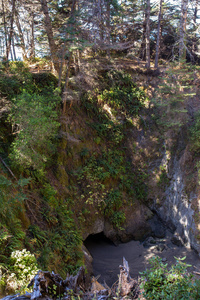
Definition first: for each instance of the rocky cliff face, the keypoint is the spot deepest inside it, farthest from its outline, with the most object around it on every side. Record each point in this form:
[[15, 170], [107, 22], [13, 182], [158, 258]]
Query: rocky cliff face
[[164, 158], [179, 200], [124, 165]]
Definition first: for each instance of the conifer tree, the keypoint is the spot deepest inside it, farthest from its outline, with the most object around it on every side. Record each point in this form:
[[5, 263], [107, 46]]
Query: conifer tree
[[148, 34], [158, 34], [183, 22]]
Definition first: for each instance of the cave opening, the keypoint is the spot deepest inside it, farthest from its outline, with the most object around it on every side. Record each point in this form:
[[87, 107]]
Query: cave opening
[[97, 240]]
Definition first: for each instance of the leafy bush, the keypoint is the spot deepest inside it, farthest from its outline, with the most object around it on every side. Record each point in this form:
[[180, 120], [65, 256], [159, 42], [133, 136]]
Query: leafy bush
[[9, 86], [97, 173], [123, 100], [159, 282], [36, 122], [22, 268], [11, 206], [127, 101], [17, 67], [195, 133], [172, 94]]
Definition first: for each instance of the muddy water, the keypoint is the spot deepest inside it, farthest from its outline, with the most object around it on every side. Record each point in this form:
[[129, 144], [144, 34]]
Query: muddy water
[[107, 257]]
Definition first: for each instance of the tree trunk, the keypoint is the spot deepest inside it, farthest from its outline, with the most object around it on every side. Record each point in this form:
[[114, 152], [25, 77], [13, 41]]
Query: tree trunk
[[13, 49], [32, 44], [108, 26], [65, 43], [183, 21], [148, 35], [71, 21], [100, 21], [64, 96], [4, 24], [8, 48], [143, 43], [49, 31], [195, 41], [195, 11], [21, 36], [158, 34]]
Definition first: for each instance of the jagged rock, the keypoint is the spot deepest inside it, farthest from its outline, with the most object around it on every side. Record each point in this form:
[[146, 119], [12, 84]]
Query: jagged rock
[[176, 241], [149, 242], [158, 229], [161, 247], [136, 225], [88, 264]]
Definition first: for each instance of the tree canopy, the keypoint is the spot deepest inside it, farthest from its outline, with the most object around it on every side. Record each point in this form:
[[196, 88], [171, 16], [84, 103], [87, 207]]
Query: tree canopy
[[148, 29]]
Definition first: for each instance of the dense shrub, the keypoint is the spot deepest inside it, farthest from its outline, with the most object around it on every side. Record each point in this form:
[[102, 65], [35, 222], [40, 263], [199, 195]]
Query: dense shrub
[[36, 124], [161, 282]]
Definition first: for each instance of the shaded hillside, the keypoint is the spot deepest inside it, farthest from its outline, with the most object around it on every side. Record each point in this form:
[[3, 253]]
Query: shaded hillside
[[106, 165]]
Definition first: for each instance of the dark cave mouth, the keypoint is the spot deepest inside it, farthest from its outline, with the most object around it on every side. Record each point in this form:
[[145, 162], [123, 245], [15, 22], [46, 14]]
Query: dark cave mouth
[[94, 240]]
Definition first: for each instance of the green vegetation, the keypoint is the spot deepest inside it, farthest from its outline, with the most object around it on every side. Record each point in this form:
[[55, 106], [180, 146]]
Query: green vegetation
[[12, 212], [110, 165], [86, 142], [34, 143], [195, 133], [22, 268], [171, 95], [122, 94], [16, 266], [68, 169], [161, 282], [33, 214], [195, 140]]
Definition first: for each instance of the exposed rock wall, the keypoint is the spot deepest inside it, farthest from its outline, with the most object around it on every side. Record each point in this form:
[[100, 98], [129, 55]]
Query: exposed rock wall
[[176, 207]]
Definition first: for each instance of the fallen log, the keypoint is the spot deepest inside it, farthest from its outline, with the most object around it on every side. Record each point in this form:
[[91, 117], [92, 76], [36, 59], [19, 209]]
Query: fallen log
[[51, 285], [48, 285]]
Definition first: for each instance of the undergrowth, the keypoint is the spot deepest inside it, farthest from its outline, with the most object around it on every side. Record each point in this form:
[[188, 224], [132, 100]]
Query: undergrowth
[[162, 282], [33, 216], [42, 217], [111, 111]]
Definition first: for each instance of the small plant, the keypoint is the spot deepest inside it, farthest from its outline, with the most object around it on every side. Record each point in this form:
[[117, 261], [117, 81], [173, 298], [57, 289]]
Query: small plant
[[159, 282], [171, 95], [163, 178], [114, 106], [36, 123], [22, 268], [195, 133]]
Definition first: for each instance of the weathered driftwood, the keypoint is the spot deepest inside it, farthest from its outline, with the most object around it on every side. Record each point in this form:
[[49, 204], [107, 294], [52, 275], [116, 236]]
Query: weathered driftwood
[[14, 297], [196, 273], [126, 283], [48, 285]]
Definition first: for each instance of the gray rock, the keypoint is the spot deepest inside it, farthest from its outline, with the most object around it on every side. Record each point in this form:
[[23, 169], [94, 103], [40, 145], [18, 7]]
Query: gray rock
[[149, 242], [164, 259], [161, 247], [176, 241]]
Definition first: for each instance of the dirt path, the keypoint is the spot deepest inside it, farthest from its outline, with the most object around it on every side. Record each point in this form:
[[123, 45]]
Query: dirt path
[[107, 257]]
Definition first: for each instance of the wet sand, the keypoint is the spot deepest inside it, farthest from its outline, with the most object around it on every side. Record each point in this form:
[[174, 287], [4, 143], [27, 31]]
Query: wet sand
[[107, 257]]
